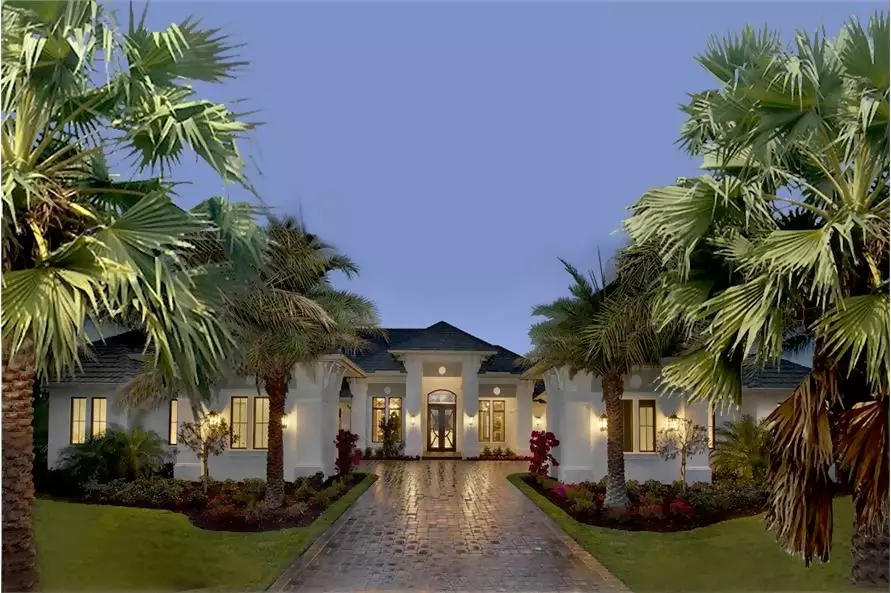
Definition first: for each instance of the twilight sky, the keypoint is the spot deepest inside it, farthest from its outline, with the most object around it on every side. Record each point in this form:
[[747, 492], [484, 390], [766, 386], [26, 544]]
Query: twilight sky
[[455, 150]]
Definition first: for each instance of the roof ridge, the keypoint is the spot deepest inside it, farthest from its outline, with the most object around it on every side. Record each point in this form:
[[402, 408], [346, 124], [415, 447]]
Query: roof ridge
[[466, 333]]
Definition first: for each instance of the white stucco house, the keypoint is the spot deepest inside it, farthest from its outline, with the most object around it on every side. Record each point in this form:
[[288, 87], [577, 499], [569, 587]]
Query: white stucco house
[[453, 392]]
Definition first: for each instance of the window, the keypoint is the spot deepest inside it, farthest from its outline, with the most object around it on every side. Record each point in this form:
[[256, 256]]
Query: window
[[392, 407], [238, 423], [261, 422], [98, 416], [174, 418], [78, 420], [378, 407], [491, 421], [485, 427], [711, 427], [394, 404], [647, 425], [498, 421], [628, 425]]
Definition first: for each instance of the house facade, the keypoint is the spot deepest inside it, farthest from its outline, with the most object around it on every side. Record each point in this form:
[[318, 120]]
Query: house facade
[[452, 393]]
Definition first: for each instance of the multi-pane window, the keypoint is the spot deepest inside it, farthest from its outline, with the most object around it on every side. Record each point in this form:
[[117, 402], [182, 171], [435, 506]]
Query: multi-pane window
[[173, 420], [647, 425], [711, 427], [261, 422], [378, 409], [99, 420], [381, 408], [78, 420], [491, 421], [238, 423], [485, 418]]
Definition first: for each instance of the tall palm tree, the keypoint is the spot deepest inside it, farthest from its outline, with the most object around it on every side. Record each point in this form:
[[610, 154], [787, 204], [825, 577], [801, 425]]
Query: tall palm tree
[[604, 329], [79, 246], [292, 314], [795, 200]]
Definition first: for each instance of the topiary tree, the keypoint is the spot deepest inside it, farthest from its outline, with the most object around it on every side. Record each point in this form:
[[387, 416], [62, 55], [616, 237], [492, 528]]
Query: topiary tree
[[348, 456], [682, 441], [391, 438], [209, 436]]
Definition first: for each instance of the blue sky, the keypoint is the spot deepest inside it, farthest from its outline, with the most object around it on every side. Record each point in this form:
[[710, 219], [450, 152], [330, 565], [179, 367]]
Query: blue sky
[[455, 150]]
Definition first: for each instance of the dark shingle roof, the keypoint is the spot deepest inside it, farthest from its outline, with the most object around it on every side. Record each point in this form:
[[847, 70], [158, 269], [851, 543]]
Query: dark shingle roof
[[113, 361], [785, 375], [439, 336]]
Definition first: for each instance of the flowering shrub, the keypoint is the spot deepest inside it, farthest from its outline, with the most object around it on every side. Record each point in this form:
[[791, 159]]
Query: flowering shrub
[[654, 506], [348, 456], [540, 445]]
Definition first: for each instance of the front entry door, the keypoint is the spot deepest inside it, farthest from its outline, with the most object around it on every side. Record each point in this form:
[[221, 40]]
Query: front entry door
[[441, 427]]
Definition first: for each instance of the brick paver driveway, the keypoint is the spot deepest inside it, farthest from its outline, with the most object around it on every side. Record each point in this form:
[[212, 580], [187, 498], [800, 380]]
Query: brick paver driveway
[[445, 526]]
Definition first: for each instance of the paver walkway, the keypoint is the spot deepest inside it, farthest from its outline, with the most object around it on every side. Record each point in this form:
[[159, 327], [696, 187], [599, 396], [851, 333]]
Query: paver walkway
[[445, 525]]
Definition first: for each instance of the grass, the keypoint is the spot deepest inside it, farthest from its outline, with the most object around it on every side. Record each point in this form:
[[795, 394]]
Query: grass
[[83, 547], [736, 555]]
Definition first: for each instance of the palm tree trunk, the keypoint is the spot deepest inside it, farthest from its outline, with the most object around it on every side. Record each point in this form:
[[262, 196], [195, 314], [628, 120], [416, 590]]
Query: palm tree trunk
[[276, 389], [870, 552], [19, 552], [616, 494]]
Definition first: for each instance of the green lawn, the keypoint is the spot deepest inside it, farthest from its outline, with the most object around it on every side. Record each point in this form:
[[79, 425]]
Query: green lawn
[[103, 548], [737, 555]]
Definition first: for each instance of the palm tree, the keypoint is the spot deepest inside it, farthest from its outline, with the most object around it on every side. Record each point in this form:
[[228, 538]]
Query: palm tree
[[741, 449], [796, 201], [79, 246], [291, 314], [604, 329]]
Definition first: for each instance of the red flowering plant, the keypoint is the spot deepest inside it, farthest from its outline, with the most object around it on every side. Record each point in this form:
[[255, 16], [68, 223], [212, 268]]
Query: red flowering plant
[[540, 446], [348, 456]]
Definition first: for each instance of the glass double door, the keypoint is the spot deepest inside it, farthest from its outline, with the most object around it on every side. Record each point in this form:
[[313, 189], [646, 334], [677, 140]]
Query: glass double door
[[441, 427]]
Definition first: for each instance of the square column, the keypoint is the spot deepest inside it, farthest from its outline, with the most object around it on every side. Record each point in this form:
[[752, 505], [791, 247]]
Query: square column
[[524, 416], [359, 411], [412, 419], [470, 389], [554, 384], [315, 409]]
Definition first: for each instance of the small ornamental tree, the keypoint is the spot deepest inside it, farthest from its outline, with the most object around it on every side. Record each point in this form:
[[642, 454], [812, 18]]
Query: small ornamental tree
[[207, 437], [348, 456], [685, 440], [540, 445], [391, 437]]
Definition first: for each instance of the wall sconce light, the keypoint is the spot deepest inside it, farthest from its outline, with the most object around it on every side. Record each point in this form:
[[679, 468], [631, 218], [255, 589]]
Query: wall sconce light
[[537, 422], [442, 370], [604, 422], [470, 420], [412, 420], [387, 390], [673, 422], [284, 422]]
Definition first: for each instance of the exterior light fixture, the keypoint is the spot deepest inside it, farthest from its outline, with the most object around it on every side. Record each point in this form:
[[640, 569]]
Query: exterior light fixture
[[442, 370], [412, 420], [604, 422], [497, 390], [673, 422], [536, 421], [284, 422], [470, 421]]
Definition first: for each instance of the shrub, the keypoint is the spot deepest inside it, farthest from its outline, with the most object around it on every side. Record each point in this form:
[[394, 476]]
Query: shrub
[[541, 444], [650, 511], [154, 493], [510, 452], [487, 452], [305, 492], [368, 452], [347, 455], [498, 452], [582, 506], [725, 501], [296, 510], [680, 509], [391, 429], [118, 454], [741, 449], [545, 482]]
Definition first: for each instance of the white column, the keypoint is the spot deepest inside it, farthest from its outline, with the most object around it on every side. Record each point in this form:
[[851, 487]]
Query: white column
[[470, 391], [414, 374], [524, 416], [316, 397], [576, 426], [188, 466], [359, 411], [554, 385]]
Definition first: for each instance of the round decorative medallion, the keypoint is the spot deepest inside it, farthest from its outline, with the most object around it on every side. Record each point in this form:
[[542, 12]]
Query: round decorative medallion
[[497, 390], [387, 390]]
